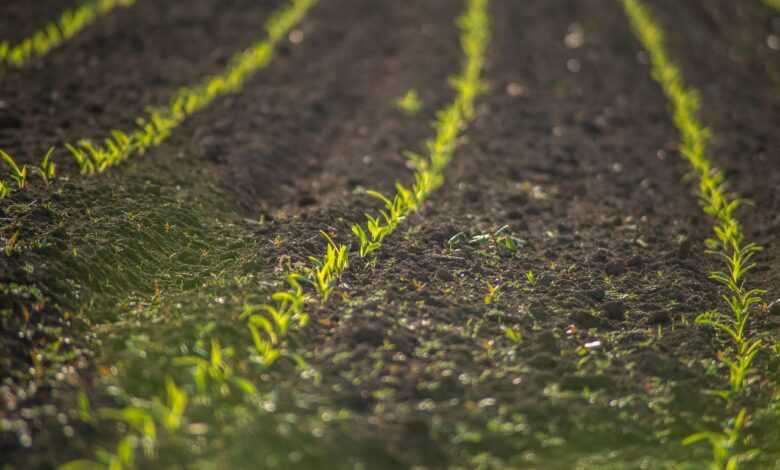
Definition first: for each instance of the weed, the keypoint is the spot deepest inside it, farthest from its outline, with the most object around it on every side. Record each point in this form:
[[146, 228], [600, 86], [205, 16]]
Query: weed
[[70, 23], [410, 103]]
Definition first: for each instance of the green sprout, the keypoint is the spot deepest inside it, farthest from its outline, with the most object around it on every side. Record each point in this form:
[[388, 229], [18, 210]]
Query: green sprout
[[47, 170], [410, 103], [493, 292], [530, 277], [18, 174]]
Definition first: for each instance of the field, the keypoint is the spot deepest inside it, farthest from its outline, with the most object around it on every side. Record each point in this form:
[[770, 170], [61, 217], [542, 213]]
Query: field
[[365, 234]]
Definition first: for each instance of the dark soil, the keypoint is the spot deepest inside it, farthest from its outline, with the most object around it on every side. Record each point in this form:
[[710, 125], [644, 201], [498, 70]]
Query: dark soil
[[572, 149]]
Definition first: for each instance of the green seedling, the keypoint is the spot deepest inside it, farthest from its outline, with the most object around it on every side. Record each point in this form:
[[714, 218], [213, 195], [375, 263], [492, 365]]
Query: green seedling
[[530, 277], [410, 103], [18, 173], [47, 170], [492, 294], [5, 190], [513, 335], [724, 445], [325, 272]]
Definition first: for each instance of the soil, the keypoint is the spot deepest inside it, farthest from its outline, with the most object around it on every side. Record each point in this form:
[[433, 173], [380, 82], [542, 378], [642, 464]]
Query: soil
[[572, 152]]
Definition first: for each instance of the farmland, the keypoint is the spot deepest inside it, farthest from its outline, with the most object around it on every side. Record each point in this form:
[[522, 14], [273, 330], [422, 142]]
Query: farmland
[[305, 234]]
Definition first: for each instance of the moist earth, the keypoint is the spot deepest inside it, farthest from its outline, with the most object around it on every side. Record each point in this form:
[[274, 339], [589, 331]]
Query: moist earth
[[572, 156]]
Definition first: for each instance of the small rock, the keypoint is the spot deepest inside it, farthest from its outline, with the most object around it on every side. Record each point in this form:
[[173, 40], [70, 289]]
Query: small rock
[[543, 361], [774, 307], [369, 334], [596, 294], [615, 268], [660, 317], [636, 261], [585, 320], [615, 310], [444, 275]]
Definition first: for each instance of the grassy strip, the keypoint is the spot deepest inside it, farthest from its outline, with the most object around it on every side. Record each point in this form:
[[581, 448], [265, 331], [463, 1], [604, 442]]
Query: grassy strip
[[214, 374], [728, 242], [158, 123], [70, 23]]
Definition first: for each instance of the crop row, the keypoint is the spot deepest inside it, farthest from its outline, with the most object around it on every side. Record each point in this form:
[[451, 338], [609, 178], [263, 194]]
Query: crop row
[[214, 377], [728, 241], [159, 122], [70, 23]]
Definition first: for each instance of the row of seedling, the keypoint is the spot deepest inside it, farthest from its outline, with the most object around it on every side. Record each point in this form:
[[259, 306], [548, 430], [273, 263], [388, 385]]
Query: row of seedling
[[728, 241], [429, 170], [16, 175], [159, 122], [269, 324], [70, 23]]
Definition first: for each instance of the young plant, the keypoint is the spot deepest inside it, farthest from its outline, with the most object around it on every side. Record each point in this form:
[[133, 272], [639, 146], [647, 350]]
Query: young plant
[[530, 277], [18, 174], [47, 170], [492, 294], [410, 103], [724, 445]]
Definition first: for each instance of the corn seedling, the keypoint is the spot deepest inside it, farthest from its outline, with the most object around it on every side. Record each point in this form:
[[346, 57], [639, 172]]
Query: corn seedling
[[492, 294], [530, 277], [723, 445], [513, 335], [158, 123], [70, 23], [47, 170], [325, 272], [18, 173], [728, 241], [410, 103]]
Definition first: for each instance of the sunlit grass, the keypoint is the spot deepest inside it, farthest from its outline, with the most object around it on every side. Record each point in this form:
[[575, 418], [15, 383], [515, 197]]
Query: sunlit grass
[[70, 23], [728, 241]]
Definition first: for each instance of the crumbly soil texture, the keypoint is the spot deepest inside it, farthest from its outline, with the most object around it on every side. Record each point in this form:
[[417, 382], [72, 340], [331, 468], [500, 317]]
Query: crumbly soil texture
[[586, 355]]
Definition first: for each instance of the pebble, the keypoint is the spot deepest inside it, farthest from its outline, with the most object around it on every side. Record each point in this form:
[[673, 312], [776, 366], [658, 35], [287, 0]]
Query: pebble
[[615, 310]]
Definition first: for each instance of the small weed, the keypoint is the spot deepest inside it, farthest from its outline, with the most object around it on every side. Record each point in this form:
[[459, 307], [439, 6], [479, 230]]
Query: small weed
[[410, 103]]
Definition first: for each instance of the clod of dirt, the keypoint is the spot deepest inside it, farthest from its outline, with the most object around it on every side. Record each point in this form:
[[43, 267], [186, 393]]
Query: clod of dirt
[[636, 262], [615, 310], [774, 307], [585, 320], [444, 275], [369, 334], [615, 268], [595, 294], [543, 361], [660, 317]]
